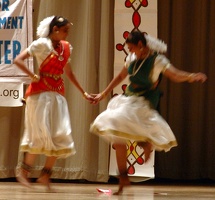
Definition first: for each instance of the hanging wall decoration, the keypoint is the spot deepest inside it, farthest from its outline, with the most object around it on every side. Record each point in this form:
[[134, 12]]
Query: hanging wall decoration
[[130, 15]]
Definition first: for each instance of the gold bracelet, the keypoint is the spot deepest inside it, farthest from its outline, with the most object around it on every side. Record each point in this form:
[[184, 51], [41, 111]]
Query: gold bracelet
[[103, 94], [35, 77], [85, 94]]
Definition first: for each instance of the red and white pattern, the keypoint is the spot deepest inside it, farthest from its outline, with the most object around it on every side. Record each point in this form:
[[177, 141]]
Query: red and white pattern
[[130, 15]]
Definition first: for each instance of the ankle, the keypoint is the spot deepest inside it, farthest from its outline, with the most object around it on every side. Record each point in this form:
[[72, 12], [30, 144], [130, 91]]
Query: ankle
[[46, 172], [26, 168], [22, 175]]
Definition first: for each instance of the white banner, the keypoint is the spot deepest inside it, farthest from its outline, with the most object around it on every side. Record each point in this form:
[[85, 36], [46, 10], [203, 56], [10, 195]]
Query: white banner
[[129, 15], [16, 35], [11, 93]]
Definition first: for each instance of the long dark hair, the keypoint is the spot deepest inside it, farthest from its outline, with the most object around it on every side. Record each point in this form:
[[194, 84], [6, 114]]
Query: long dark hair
[[58, 21], [135, 36]]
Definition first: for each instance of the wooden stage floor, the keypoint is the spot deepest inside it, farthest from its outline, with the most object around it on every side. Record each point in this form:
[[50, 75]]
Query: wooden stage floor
[[87, 191]]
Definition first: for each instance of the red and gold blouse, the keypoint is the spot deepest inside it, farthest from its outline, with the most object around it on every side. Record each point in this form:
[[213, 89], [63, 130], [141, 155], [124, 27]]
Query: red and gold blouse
[[50, 71]]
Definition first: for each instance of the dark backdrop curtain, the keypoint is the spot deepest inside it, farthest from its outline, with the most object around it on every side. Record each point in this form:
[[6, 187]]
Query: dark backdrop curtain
[[188, 27]]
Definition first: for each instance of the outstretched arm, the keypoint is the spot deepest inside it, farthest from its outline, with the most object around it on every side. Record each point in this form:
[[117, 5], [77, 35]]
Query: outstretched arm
[[73, 79], [115, 81], [179, 76]]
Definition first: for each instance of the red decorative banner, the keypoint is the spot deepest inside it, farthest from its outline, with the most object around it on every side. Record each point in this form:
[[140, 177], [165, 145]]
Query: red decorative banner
[[130, 15]]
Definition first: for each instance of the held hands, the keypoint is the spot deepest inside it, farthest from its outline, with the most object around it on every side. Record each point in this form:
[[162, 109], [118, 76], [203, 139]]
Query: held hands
[[94, 98], [88, 97], [97, 97]]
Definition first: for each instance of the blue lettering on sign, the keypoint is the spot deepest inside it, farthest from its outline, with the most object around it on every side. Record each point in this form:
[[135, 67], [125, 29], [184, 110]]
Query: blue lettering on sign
[[11, 22], [16, 48], [4, 5], [10, 50], [7, 52]]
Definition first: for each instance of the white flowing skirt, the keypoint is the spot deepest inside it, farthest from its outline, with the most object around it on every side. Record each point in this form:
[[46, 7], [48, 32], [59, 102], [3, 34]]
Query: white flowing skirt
[[47, 126], [131, 118]]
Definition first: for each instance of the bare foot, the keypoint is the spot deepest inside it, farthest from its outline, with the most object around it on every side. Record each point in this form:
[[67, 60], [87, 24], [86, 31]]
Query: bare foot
[[45, 181], [123, 182], [22, 177]]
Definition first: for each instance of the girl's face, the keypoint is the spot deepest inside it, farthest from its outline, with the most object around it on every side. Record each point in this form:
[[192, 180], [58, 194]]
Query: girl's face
[[138, 49], [132, 48], [62, 32]]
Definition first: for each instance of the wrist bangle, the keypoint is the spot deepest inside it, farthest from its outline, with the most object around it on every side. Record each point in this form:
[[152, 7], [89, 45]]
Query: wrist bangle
[[85, 94], [35, 77], [103, 94]]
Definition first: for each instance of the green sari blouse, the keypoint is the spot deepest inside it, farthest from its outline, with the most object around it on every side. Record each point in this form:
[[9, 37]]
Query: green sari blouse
[[141, 84]]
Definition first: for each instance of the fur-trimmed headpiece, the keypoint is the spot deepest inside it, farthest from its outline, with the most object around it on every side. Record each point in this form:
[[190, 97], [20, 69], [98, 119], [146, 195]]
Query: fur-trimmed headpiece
[[44, 27], [155, 44]]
